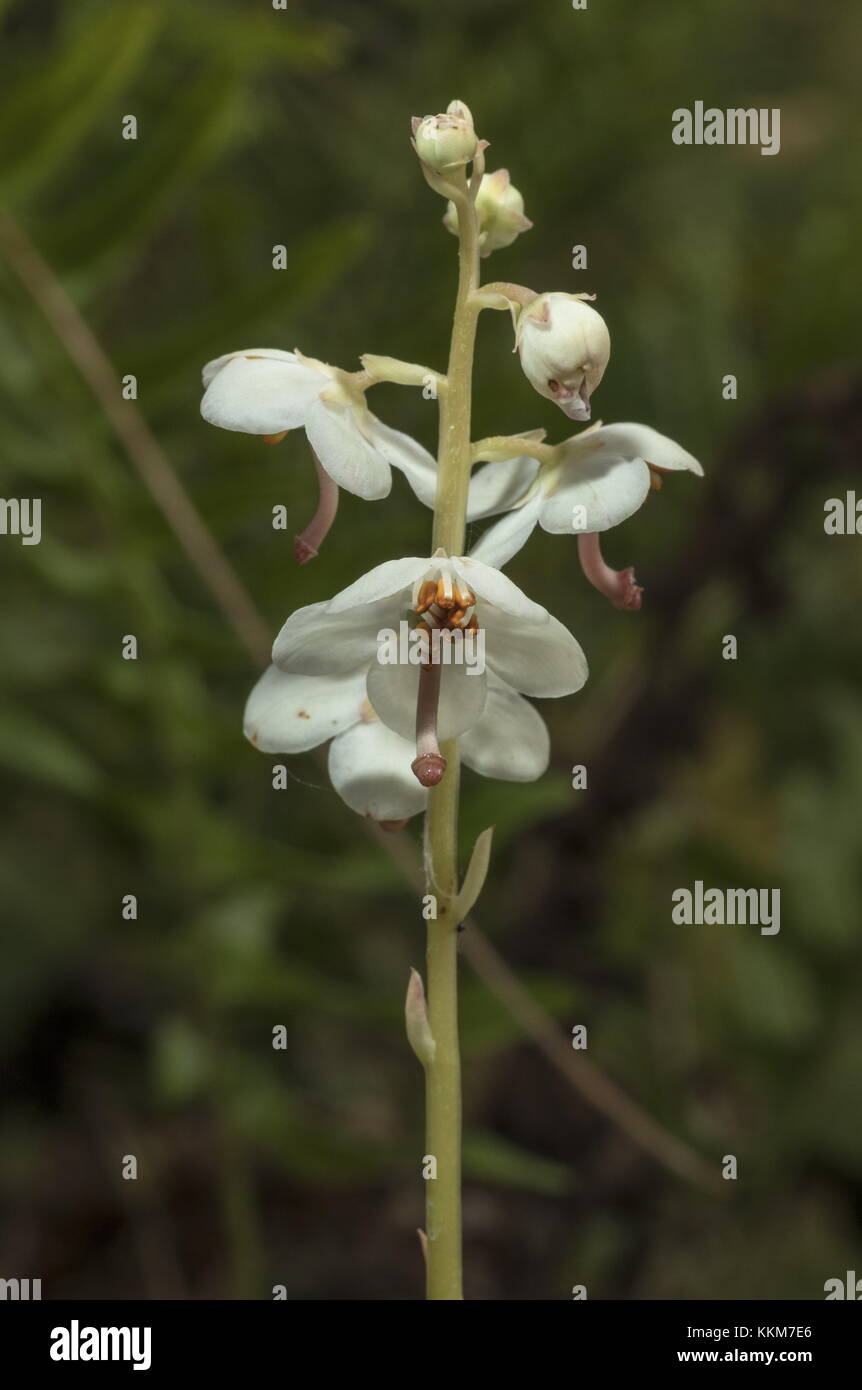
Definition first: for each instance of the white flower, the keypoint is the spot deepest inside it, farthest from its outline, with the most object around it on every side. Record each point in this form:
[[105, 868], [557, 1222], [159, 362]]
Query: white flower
[[370, 766], [266, 391], [500, 209], [595, 481], [564, 347], [526, 652], [447, 141]]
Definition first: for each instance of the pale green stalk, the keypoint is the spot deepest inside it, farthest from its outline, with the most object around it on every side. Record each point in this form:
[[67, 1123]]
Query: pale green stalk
[[443, 1071]]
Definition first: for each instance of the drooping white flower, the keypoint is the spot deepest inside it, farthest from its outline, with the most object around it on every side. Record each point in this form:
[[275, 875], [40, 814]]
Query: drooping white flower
[[526, 652], [500, 210], [564, 347], [594, 481], [370, 765], [267, 392]]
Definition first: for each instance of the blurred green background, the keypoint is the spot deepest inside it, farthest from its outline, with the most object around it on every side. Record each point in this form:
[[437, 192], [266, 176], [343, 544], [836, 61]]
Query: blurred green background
[[260, 907]]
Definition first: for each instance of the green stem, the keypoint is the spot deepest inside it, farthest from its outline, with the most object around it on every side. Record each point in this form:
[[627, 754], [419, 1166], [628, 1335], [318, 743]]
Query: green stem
[[454, 456], [443, 1072]]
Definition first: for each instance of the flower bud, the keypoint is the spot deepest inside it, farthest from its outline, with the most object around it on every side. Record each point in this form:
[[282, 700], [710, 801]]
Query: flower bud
[[564, 347], [416, 1018], [446, 141], [500, 209]]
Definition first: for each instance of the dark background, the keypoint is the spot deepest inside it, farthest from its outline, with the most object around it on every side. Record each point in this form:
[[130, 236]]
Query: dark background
[[259, 907]]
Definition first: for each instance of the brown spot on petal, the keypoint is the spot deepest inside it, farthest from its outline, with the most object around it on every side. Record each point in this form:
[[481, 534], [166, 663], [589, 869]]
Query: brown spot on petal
[[275, 438], [302, 714]]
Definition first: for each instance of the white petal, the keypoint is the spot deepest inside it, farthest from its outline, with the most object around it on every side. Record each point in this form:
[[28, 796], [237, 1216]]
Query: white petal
[[575, 407], [349, 459], [543, 661], [498, 486], [604, 488], [418, 466], [492, 586], [289, 714], [316, 642], [370, 769], [389, 580], [261, 395], [642, 441], [393, 691], [506, 537], [276, 354], [510, 741]]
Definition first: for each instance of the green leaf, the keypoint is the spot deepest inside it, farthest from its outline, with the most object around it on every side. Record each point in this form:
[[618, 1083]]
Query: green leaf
[[474, 879], [488, 1158], [57, 102], [317, 262], [73, 570], [487, 1025], [261, 40], [31, 746], [181, 1061], [773, 997], [190, 135], [523, 805]]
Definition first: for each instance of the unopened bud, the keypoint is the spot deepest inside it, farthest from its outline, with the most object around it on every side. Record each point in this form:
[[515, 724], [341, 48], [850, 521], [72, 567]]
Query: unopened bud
[[447, 141], [564, 347], [500, 210], [416, 1018]]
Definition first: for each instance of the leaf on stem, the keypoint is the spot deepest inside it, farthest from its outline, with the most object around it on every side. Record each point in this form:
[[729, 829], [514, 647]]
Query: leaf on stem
[[474, 879]]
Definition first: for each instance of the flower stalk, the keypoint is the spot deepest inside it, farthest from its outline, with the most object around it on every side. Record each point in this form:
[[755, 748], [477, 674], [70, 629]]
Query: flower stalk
[[497, 448], [443, 1071]]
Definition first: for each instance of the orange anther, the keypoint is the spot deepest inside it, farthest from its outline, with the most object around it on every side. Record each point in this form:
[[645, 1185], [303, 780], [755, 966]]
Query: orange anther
[[444, 591], [427, 595], [464, 599]]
